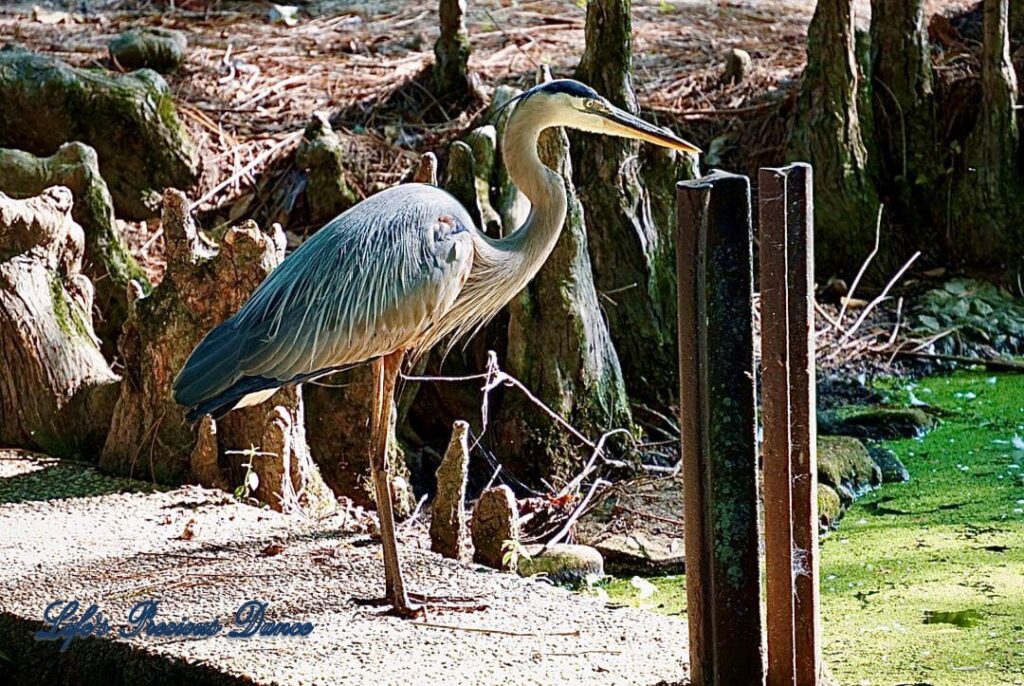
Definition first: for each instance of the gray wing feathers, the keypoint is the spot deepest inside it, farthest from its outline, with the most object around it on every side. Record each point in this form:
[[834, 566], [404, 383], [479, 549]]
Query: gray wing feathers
[[374, 280]]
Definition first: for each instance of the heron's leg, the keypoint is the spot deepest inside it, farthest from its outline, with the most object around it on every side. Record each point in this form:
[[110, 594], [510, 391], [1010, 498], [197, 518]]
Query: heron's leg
[[386, 370]]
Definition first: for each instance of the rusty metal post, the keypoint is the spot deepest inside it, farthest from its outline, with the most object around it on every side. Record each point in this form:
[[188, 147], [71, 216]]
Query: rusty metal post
[[717, 418], [790, 464], [775, 420], [803, 423]]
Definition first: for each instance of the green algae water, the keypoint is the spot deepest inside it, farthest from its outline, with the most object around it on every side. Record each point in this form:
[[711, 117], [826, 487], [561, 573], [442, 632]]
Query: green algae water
[[923, 583]]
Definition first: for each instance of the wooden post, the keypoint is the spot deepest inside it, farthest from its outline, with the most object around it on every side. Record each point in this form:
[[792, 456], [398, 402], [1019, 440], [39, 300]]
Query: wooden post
[[717, 419], [790, 464]]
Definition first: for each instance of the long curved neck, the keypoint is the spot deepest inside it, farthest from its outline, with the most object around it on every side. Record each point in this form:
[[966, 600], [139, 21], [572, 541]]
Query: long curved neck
[[503, 266], [522, 253]]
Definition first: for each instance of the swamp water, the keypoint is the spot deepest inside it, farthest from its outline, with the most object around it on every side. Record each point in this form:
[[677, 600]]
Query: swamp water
[[923, 582]]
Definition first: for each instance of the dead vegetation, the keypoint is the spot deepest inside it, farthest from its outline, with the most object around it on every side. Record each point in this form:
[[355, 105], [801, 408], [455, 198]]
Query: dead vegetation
[[249, 86]]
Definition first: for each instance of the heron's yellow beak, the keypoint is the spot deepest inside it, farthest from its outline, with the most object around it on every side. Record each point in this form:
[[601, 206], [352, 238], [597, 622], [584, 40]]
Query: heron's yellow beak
[[621, 123]]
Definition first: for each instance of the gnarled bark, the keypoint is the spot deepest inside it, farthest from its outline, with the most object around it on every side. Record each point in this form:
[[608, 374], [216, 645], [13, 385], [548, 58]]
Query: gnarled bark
[[322, 158], [56, 390], [827, 130], [107, 261], [149, 436], [629, 251], [986, 202], [452, 77], [448, 532], [905, 127], [129, 119]]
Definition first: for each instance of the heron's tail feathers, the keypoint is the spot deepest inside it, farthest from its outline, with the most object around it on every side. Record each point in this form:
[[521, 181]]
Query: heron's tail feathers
[[207, 383], [212, 381]]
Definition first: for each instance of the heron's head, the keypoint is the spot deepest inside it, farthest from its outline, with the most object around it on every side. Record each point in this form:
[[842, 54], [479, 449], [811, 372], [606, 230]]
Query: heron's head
[[577, 106]]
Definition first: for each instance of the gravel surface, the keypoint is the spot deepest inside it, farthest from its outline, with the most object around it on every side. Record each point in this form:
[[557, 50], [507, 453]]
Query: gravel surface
[[201, 555]]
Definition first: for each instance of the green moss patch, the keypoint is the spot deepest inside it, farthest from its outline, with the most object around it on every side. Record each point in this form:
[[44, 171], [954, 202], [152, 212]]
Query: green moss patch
[[923, 583]]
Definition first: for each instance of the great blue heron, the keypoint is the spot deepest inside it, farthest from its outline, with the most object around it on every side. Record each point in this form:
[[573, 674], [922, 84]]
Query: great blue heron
[[396, 274]]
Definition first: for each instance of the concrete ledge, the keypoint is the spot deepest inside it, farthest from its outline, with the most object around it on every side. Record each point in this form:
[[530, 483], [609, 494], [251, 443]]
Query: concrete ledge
[[120, 548]]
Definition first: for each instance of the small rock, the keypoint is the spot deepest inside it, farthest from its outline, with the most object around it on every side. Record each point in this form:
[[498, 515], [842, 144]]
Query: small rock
[[877, 424], [846, 496], [737, 66], [892, 468], [844, 462], [155, 48], [638, 527], [495, 520], [638, 553], [448, 521], [288, 15], [562, 563], [830, 507]]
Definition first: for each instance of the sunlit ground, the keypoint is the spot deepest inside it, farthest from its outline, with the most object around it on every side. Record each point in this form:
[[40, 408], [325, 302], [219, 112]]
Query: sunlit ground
[[923, 583]]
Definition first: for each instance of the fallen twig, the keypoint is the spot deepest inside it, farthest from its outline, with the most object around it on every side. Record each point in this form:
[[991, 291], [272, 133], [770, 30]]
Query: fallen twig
[[863, 268], [994, 364], [502, 632], [880, 298]]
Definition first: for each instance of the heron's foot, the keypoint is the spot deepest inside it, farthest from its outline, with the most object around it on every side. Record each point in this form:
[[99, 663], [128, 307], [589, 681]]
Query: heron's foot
[[407, 610], [447, 602], [417, 604]]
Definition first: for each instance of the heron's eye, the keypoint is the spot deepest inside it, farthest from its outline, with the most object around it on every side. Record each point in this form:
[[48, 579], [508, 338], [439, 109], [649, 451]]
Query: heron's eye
[[593, 105]]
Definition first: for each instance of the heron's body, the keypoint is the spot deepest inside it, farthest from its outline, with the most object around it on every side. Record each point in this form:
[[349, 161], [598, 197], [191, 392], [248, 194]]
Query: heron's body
[[398, 272], [402, 256], [401, 270]]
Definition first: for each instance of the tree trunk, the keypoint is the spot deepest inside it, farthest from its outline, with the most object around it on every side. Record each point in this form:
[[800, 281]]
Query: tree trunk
[[560, 348], [1016, 19], [149, 436], [630, 253], [452, 77], [56, 391], [986, 203], [905, 126], [827, 131], [107, 262]]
